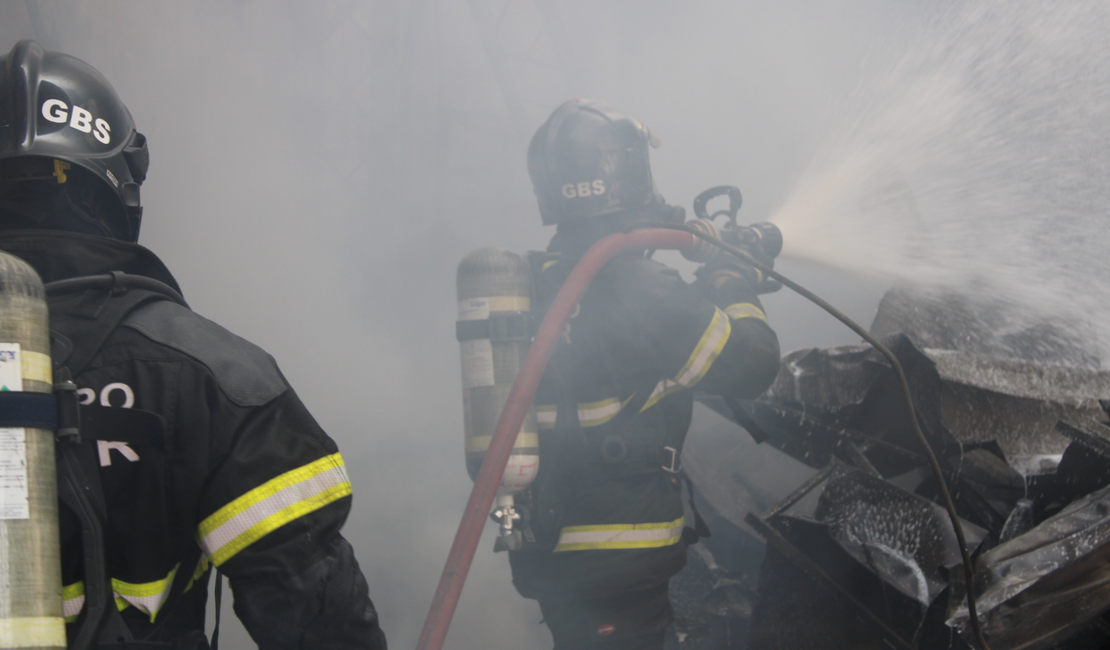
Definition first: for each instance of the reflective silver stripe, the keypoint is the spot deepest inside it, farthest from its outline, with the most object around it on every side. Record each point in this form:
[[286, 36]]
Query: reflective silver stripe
[[706, 351], [272, 505], [73, 599], [620, 536], [590, 414], [745, 310], [147, 597], [545, 416], [524, 440]]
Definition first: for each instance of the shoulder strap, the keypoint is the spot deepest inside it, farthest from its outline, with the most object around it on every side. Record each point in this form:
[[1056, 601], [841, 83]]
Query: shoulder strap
[[92, 319], [215, 642], [79, 488], [94, 316], [700, 529]]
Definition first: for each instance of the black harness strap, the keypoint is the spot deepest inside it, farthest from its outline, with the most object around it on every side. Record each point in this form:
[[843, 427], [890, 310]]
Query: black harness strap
[[700, 529], [79, 489], [24, 409], [668, 455], [106, 301], [616, 448], [215, 643]]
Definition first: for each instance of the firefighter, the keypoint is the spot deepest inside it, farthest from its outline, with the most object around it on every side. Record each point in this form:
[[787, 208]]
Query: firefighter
[[208, 459], [614, 406]]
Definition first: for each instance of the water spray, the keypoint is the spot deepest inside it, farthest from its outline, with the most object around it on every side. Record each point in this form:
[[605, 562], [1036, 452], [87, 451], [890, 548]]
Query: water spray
[[698, 241], [934, 464]]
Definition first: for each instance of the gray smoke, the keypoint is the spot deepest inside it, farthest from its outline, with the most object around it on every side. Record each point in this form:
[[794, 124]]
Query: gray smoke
[[318, 169]]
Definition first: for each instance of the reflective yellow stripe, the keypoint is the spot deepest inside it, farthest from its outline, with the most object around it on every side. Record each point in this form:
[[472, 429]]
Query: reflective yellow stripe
[[706, 351], [548, 264], [545, 416], [74, 590], [73, 599], [202, 566], [745, 310], [33, 632], [510, 303], [36, 366], [272, 505], [620, 536], [662, 389], [590, 414], [147, 597], [524, 440]]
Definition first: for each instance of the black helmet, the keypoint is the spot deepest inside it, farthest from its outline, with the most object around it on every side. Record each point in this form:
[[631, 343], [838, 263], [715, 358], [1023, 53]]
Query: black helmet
[[589, 160], [57, 113]]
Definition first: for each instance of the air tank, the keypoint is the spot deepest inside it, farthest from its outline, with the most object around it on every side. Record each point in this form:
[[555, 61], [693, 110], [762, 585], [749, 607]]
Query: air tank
[[30, 559], [494, 331]]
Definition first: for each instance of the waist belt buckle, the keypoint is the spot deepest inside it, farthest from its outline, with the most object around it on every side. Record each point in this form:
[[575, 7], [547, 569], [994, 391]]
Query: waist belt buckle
[[673, 466]]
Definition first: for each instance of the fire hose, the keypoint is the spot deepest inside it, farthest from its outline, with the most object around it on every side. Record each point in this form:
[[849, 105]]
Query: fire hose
[[647, 236]]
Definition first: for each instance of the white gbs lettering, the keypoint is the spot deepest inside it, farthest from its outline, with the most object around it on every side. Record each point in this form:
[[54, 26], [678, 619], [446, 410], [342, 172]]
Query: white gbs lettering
[[584, 189], [58, 112]]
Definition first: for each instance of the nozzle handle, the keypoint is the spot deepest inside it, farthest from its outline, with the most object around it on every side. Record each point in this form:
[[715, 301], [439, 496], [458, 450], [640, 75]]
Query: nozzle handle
[[734, 201]]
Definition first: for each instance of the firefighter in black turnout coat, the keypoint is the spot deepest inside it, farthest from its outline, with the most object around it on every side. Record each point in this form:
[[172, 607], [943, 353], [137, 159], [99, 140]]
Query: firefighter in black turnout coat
[[203, 454], [615, 403]]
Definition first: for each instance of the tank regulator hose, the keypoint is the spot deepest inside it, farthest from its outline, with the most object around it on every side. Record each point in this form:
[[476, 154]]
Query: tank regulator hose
[[645, 236]]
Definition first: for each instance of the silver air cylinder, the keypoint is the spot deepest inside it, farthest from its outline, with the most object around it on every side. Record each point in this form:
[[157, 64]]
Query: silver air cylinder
[[494, 333], [30, 559]]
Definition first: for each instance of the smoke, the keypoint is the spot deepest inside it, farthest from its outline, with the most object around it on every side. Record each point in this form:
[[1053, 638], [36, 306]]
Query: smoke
[[318, 169], [977, 159]]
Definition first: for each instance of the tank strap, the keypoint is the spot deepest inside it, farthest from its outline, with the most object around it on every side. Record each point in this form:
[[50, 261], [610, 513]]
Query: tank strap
[[106, 300], [97, 313], [79, 489], [25, 409], [215, 642], [700, 529], [496, 328]]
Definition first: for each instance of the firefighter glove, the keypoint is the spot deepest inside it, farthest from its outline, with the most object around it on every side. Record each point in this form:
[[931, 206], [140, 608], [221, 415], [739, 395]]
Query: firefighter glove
[[723, 268]]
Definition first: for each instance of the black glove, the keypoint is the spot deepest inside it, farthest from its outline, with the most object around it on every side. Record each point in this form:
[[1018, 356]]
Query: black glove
[[325, 606], [724, 267]]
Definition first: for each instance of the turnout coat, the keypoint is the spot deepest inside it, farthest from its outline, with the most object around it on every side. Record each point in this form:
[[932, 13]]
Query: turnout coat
[[613, 409], [236, 474]]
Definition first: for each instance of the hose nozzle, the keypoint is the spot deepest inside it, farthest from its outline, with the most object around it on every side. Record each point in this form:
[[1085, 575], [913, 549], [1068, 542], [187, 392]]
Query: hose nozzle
[[761, 240]]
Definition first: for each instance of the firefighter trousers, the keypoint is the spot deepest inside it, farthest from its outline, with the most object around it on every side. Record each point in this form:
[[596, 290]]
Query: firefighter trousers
[[629, 621]]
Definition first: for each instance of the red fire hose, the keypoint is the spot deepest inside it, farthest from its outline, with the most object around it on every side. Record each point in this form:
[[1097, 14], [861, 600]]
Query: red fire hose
[[512, 416]]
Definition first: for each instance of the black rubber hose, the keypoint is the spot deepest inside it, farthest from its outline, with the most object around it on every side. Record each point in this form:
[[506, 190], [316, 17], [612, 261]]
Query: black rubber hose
[[906, 395]]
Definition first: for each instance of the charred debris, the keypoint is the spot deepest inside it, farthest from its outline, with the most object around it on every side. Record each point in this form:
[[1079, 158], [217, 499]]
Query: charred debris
[[860, 555]]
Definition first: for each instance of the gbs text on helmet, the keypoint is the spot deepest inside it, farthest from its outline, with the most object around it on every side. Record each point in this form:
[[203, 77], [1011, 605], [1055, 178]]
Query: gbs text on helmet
[[584, 189], [57, 111]]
